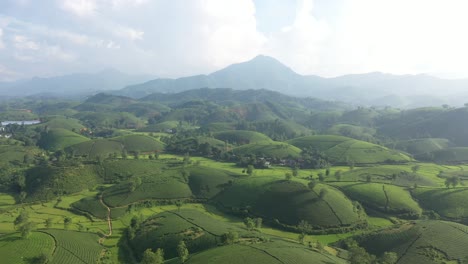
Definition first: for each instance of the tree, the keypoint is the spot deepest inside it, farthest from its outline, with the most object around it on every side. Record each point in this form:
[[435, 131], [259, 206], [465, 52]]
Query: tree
[[178, 203], [22, 218], [43, 258], [67, 222], [288, 176], [338, 175], [250, 169], [124, 154], [48, 222], [295, 171], [321, 177], [182, 251], [368, 178], [230, 237], [249, 223], [26, 229], [136, 154], [323, 193], [327, 172], [301, 238], [150, 257], [415, 168], [389, 258], [258, 222], [312, 184]]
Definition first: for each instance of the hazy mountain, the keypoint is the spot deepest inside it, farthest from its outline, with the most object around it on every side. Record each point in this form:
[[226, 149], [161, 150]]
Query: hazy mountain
[[264, 72], [71, 85]]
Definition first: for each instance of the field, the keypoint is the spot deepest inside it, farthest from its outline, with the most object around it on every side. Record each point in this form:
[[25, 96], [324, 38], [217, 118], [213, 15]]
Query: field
[[422, 242], [289, 202], [13, 247], [382, 197], [343, 150], [104, 147], [269, 149], [449, 203], [275, 252], [59, 138], [241, 137]]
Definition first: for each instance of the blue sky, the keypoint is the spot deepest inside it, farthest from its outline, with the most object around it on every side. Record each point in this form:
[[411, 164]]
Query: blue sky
[[173, 38]]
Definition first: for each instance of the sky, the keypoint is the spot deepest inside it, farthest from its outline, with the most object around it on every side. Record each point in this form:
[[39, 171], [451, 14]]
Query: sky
[[174, 38]]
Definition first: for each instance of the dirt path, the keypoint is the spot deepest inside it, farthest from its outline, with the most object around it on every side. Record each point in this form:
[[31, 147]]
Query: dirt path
[[109, 220]]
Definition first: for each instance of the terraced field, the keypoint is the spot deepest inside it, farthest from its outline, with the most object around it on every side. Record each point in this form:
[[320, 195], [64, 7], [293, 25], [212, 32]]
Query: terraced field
[[422, 242], [289, 202], [382, 197], [450, 203], [241, 137], [342, 150], [13, 247], [269, 149], [74, 247]]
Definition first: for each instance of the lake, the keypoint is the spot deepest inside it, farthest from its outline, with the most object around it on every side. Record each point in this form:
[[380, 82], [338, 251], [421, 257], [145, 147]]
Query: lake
[[25, 122]]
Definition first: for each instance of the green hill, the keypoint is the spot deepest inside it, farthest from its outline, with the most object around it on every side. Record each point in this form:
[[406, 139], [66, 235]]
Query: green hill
[[382, 197], [449, 203], [342, 150], [163, 185], [289, 202], [241, 137], [13, 247], [104, 147], [352, 131], [421, 147], [451, 155], [274, 252], [16, 153], [62, 122], [59, 138], [61, 247], [421, 242], [165, 230], [46, 183], [269, 149], [206, 182]]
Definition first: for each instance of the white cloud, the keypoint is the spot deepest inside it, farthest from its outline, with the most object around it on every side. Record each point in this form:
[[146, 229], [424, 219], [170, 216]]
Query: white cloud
[[2, 45], [7, 74], [300, 44], [24, 43], [129, 33], [79, 7], [56, 52]]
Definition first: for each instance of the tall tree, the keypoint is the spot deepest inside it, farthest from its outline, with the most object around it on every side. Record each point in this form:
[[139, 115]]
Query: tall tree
[[182, 251]]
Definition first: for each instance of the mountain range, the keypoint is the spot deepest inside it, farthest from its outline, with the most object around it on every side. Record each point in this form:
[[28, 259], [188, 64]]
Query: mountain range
[[262, 72]]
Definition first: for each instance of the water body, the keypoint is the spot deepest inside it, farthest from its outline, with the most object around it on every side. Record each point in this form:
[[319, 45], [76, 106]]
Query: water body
[[25, 122]]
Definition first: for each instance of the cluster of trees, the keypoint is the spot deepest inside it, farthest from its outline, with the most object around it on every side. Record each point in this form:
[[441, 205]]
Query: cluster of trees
[[359, 255]]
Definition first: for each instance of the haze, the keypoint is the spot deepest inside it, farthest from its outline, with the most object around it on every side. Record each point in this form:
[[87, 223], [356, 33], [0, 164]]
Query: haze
[[180, 38]]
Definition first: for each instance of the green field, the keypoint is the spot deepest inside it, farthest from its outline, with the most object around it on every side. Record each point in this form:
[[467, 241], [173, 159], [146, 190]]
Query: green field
[[422, 242], [382, 197], [16, 250], [59, 138], [450, 203], [343, 150], [241, 137], [289, 202], [275, 252], [269, 149]]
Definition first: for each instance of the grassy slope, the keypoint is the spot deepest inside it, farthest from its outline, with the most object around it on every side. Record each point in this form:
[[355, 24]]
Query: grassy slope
[[392, 199], [451, 203], [13, 247], [342, 149], [241, 137], [423, 242], [276, 252], [60, 138], [289, 202], [269, 149]]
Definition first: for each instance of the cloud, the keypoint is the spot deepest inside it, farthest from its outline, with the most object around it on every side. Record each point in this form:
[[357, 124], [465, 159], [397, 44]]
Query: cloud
[[79, 7], [24, 43], [301, 43], [129, 33], [7, 74], [2, 45]]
